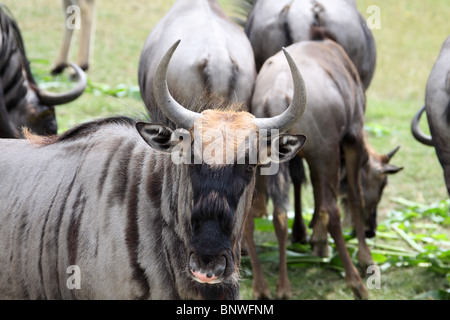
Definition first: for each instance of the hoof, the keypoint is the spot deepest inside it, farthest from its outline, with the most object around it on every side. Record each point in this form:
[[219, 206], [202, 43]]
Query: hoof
[[265, 295], [58, 69], [84, 66], [300, 239], [283, 288], [261, 290], [360, 292], [320, 248], [284, 294]]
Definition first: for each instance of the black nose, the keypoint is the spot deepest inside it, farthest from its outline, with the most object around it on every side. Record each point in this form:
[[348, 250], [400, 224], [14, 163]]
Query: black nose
[[207, 269]]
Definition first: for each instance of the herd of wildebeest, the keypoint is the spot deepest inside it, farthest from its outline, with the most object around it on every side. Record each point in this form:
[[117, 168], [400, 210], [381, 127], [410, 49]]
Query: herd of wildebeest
[[107, 196]]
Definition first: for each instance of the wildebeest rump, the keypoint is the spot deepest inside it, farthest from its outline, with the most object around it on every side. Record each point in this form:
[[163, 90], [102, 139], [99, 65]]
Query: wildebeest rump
[[334, 124], [437, 108], [107, 197], [215, 56], [26, 104], [272, 25]]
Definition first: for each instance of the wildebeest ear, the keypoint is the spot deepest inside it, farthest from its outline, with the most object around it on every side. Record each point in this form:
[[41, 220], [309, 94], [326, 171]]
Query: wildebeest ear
[[284, 147], [390, 169], [289, 145], [159, 137]]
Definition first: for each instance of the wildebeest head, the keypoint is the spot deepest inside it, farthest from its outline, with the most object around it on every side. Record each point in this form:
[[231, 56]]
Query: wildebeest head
[[27, 104], [374, 174], [218, 148], [37, 110]]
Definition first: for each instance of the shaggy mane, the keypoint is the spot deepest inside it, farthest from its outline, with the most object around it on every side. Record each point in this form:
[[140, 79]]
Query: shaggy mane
[[77, 132]]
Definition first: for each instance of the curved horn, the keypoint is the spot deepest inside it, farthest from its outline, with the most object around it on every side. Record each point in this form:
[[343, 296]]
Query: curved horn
[[181, 116], [54, 99], [417, 132], [390, 154], [294, 112]]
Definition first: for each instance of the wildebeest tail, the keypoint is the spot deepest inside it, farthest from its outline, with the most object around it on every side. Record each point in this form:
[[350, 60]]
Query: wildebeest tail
[[319, 33]]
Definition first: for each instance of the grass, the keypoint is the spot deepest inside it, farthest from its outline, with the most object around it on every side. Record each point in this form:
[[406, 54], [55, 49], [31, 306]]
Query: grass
[[408, 43]]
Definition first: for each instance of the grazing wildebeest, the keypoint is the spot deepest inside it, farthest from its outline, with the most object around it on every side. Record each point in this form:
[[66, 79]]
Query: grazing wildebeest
[[275, 24], [215, 56], [78, 14], [111, 198], [25, 103], [437, 107], [334, 124]]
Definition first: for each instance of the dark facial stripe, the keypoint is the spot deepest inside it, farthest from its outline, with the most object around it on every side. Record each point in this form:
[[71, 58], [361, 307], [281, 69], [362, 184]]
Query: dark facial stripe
[[132, 229]]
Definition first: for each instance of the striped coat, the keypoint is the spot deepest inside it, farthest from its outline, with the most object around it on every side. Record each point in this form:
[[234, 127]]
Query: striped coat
[[107, 202], [101, 199]]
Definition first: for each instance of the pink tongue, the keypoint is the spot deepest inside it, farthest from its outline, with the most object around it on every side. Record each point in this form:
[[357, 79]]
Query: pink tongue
[[202, 277]]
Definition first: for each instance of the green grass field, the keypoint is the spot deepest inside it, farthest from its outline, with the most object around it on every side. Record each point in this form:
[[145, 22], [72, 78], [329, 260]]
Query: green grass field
[[408, 42]]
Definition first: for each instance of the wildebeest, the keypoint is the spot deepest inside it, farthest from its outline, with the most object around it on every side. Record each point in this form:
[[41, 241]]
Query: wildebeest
[[215, 56], [108, 197], [78, 14], [275, 24], [334, 124], [437, 107], [26, 105], [7, 129]]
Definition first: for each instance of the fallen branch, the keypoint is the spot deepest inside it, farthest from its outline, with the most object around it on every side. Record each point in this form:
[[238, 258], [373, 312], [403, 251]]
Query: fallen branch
[[407, 239]]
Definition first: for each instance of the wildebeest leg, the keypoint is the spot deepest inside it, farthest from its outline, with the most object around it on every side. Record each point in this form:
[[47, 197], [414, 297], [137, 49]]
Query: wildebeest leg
[[261, 289], [325, 179], [296, 169], [86, 34], [62, 61], [319, 222], [447, 177], [352, 277], [352, 153], [280, 222], [259, 201]]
